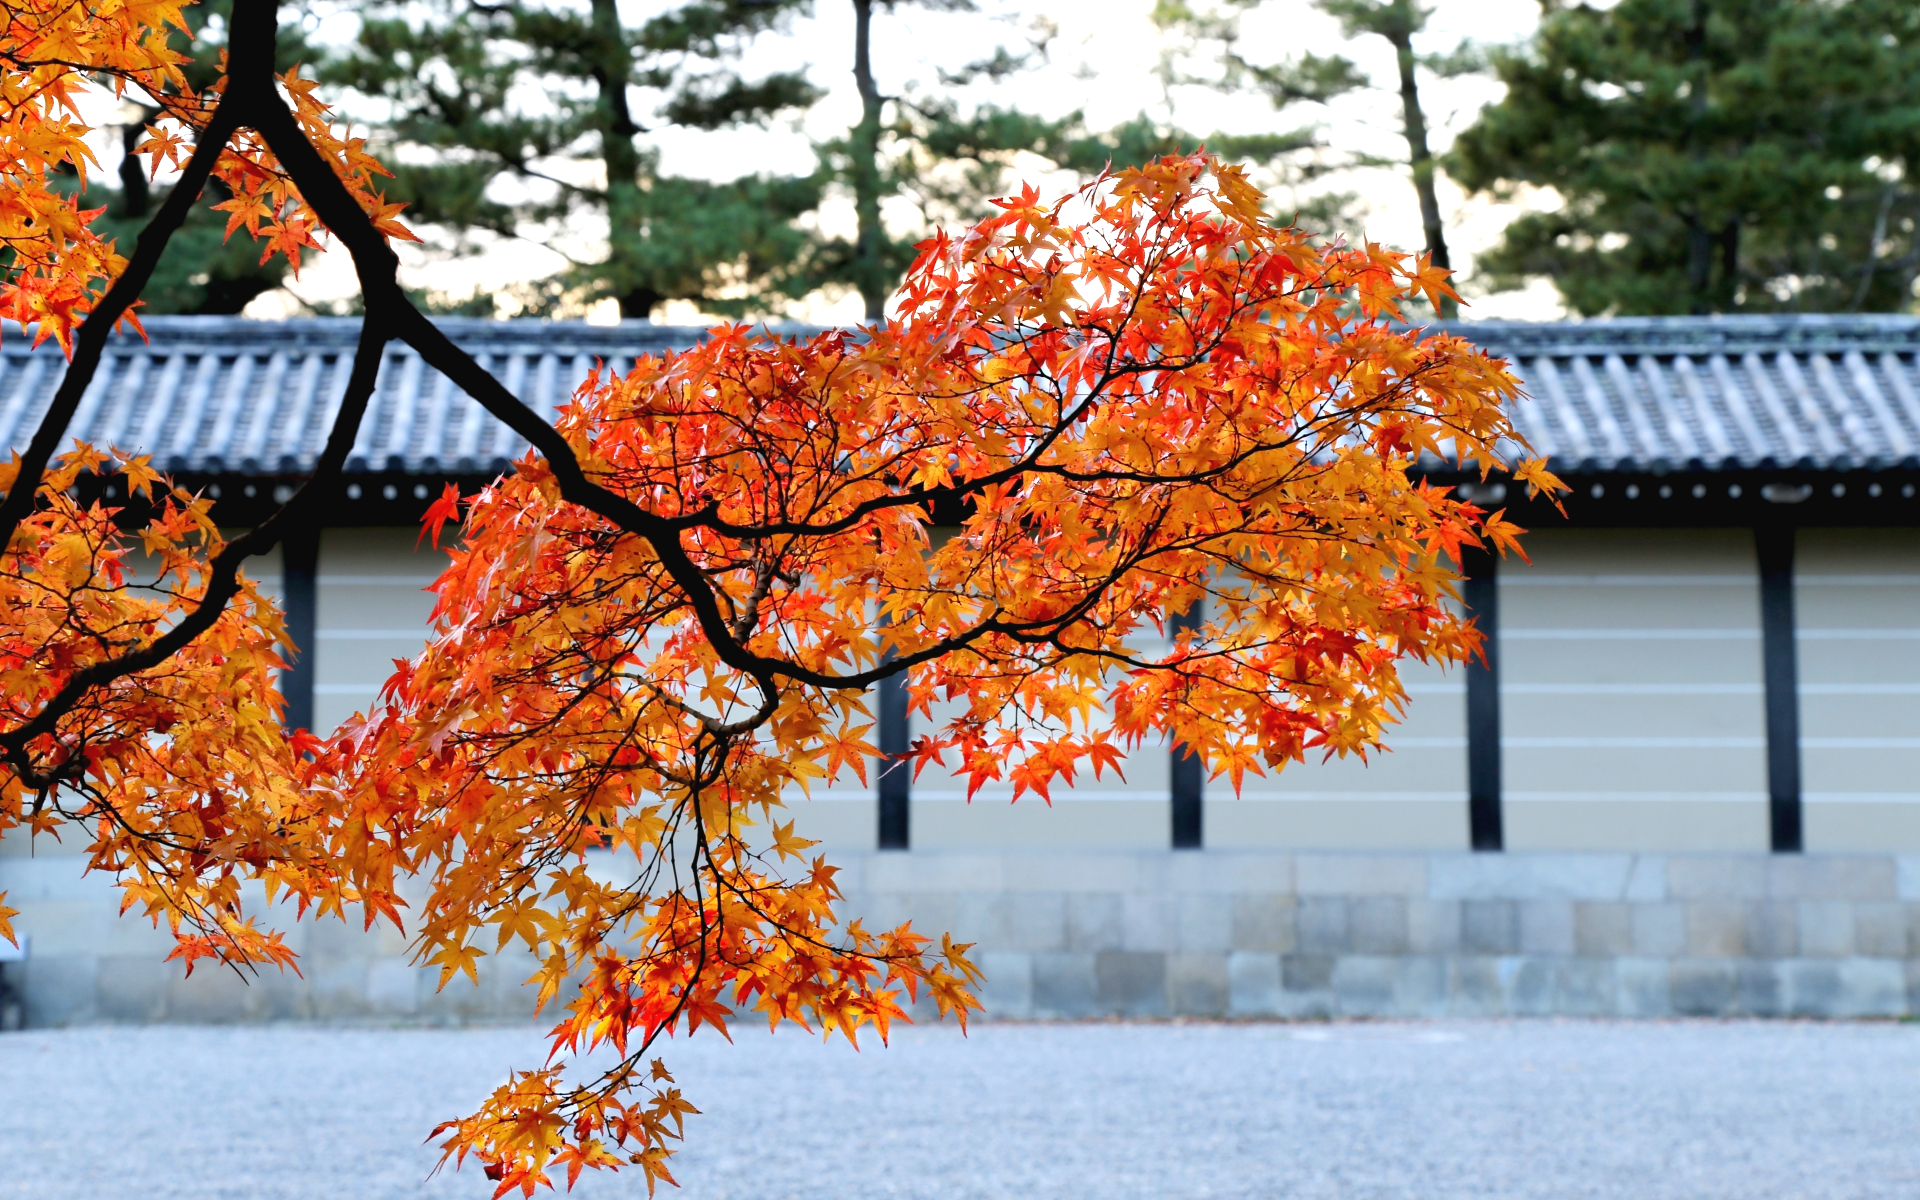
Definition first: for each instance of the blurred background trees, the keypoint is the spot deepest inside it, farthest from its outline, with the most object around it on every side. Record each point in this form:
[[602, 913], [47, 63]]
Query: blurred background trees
[[1646, 156]]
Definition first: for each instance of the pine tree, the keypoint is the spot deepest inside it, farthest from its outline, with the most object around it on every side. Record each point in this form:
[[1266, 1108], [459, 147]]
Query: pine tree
[[517, 120], [1711, 155]]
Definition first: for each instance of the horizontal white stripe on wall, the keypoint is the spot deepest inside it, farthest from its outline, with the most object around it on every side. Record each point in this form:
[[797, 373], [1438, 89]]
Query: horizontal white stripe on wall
[[1860, 797], [347, 689], [1592, 634], [1632, 689], [1061, 791], [418, 634], [1634, 743], [418, 581], [1860, 689], [1528, 579], [1642, 797], [1426, 743], [1860, 743], [1436, 689], [1857, 635], [1269, 796], [1857, 580]]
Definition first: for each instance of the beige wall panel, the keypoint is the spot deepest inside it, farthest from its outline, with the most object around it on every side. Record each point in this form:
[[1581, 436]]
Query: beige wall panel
[[1881, 715], [1642, 600], [1031, 823], [1841, 825], [1635, 552], [1674, 660], [1831, 771], [370, 610], [1666, 769], [1668, 824], [840, 824], [1427, 770], [1856, 551], [1858, 660], [1632, 704], [1363, 822], [1857, 605], [1644, 714]]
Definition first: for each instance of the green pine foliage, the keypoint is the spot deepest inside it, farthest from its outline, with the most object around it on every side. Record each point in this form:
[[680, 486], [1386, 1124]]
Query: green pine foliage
[[516, 120], [1712, 155]]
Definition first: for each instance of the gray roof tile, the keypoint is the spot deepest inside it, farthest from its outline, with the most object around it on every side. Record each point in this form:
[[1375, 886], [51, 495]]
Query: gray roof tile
[[225, 395]]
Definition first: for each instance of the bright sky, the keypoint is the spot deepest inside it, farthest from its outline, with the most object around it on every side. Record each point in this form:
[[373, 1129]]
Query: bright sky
[[1103, 62]]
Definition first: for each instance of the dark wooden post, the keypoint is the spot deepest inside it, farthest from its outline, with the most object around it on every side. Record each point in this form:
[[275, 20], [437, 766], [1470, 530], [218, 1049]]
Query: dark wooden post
[[1780, 667]]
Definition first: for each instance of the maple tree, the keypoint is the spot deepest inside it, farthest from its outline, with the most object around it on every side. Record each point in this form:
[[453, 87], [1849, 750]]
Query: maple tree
[[1132, 401]]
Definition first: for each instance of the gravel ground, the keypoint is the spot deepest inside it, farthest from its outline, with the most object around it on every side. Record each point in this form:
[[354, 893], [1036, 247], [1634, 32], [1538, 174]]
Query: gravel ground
[[1490, 1110]]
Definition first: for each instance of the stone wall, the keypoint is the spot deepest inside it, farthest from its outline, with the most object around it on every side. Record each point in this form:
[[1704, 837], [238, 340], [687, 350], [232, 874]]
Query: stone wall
[[1161, 933]]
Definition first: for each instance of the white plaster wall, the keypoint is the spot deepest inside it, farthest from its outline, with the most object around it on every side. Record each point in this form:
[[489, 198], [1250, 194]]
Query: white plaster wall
[[1631, 692]]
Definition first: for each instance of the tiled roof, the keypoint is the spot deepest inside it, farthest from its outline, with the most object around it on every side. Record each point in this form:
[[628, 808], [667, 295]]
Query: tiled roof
[[222, 395], [1716, 393]]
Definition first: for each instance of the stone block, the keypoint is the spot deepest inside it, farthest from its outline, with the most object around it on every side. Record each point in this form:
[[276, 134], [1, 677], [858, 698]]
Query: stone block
[[1602, 929], [1223, 872], [1873, 987], [1061, 871], [1880, 929], [1093, 921], [1587, 987], [1360, 874], [1530, 987], [1757, 988], [1659, 930], [1008, 990], [393, 987], [1130, 984], [134, 987], [1546, 927], [932, 871], [58, 991], [1197, 984], [1489, 926], [1063, 985], [1363, 986], [1433, 926], [1716, 877], [1420, 985], [1702, 987], [1205, 923], [1833, 877], [1322, 924], [1003, 921], [1912, 967], [1826, 928], [1716, 929], [1306, 972], [1253, 984], [1906, 869], [1264, 921], [1647, 879], [1148, 923], [1773, 928], [1640, 987], [338, 986], [1528, 876], [1812, 987], [1378, 925], [1474, 986], [1254, 871], [208, 997]]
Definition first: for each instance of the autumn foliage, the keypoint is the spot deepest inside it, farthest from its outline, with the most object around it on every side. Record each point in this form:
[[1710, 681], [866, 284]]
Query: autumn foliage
[[1086, 417]]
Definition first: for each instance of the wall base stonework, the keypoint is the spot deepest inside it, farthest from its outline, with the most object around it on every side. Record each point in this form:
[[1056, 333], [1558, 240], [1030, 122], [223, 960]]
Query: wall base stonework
[[1164, 933]]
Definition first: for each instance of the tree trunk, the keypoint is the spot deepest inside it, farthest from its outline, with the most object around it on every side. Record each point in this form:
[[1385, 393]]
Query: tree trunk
[[626, 198], [1420, 156], [869, 248], [1699, 237]]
